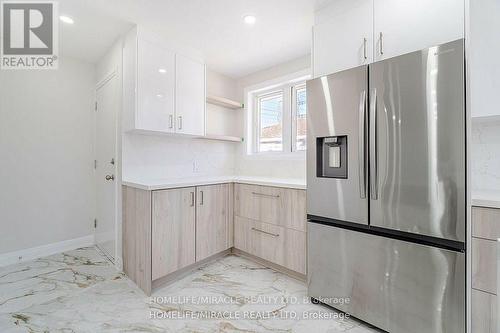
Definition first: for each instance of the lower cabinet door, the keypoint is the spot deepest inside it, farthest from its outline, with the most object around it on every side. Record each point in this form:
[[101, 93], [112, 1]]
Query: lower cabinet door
[[213, 220], [173, 230], [484, 312]]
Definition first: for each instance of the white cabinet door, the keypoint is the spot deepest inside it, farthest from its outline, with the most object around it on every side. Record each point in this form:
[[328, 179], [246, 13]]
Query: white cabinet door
[[190, 96], [410, 25], [484, 71], [345, 40], [156, 87]]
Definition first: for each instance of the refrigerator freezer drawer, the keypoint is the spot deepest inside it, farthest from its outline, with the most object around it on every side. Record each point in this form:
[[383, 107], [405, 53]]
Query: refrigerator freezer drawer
[[398, 286]]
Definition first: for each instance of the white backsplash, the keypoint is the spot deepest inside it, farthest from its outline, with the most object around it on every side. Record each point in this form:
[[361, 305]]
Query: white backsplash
[[162, 157], [485, 154]]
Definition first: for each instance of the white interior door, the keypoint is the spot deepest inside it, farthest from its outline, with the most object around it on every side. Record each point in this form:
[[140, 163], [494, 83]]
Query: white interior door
[[105, 231]]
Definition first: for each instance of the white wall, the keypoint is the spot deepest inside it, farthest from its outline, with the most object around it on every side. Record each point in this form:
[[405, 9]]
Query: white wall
[[282, 166], [46, 148], [222, 120], [165, 157], [485, 154]]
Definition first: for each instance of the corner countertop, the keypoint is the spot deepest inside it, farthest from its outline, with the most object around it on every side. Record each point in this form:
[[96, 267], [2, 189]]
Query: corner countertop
[[164, 184], [486, 198]]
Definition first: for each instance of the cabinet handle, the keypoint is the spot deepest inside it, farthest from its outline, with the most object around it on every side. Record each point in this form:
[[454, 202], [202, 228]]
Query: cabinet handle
[[266, 195], [180, 122], [265, 232], [192, 199], [381, 43], [364, 49], [201, 198], [170, 121]]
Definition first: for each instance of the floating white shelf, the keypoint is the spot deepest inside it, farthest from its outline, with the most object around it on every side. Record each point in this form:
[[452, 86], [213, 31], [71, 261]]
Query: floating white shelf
[[221, 138], [225, 102]]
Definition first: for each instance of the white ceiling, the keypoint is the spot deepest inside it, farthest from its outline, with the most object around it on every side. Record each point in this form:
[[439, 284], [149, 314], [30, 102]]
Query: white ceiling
[[214, 28], [92, 34]]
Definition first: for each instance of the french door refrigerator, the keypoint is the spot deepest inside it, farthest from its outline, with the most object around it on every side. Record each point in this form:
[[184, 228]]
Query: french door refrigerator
[[386, 191]]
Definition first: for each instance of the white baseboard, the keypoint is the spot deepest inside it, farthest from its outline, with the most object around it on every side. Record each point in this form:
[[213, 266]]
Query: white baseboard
[[45, 250]]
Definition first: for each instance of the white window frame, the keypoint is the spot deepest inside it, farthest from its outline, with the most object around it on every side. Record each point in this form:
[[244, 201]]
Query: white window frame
[[289, 124], [296, 87]]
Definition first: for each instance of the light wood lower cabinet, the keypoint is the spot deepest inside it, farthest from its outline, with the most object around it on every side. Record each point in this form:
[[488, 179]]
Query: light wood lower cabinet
[[484, 312], [279, 206], [173, 230], [270, 223], [485, 232], [484, 265], [213, 220], [165, 231], [280, 245]]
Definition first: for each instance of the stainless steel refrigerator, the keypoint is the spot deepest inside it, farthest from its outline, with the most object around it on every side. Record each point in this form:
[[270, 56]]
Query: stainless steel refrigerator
[[386, 191]]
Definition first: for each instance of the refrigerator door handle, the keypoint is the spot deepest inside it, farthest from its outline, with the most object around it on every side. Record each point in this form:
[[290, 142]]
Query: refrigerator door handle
[[362, 144], [373, 147]]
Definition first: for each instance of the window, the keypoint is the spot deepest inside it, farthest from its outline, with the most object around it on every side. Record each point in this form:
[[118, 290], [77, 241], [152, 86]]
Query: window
[[270, 109], [280, 119]]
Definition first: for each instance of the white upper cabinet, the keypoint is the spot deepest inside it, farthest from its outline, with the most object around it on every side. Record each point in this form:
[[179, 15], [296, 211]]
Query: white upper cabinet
[[155, 87], [403, 26], [190, 96], [163, 92], [345, 38], [390, 27]]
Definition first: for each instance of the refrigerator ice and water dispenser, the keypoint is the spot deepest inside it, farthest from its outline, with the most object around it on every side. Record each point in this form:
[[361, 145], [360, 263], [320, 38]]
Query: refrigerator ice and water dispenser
[[332, 157]]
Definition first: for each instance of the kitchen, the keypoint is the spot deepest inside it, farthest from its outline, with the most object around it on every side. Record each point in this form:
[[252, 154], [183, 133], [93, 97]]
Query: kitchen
[[223, 166]]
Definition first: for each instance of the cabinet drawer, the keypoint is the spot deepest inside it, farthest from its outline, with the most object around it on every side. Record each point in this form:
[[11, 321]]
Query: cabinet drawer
[[486, 223], [484, 265], [484, 312], [282, 246], [260, 239], [262, 203], [278, 206]]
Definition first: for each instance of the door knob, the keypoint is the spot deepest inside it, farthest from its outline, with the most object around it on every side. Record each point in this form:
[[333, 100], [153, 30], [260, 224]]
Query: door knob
[[110, 177]]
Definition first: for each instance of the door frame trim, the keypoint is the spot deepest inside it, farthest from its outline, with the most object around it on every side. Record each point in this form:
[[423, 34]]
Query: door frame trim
[[117, 260]]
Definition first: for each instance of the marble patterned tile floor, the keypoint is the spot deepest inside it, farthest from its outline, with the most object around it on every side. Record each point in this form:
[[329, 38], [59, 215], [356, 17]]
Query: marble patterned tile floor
[[80, 291]]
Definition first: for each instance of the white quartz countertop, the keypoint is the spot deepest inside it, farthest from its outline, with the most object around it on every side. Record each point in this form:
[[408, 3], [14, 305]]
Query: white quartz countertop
[[163, 184], [486, 198]]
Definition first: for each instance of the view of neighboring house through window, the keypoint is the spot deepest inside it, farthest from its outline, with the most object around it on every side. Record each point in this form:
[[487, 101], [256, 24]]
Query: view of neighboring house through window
[[300, 117], [271, 122], [280, 119]]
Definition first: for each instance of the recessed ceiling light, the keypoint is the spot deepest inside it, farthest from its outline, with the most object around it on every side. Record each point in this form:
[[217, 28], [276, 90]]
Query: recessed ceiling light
[[249, 19], [159, 95], [162, 70], [66, 19]]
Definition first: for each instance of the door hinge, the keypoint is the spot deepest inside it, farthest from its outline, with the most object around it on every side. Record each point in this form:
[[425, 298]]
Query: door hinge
[[95, 223], [95, 106], [95, 164]]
